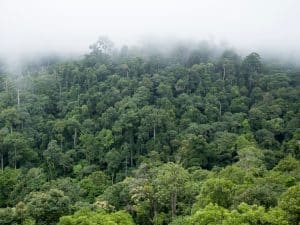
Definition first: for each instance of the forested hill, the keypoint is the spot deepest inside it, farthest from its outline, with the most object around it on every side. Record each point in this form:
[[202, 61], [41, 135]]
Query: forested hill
[[135, 136]]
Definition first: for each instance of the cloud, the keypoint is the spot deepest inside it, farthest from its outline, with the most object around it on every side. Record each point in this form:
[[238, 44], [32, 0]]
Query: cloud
[[70, 26]]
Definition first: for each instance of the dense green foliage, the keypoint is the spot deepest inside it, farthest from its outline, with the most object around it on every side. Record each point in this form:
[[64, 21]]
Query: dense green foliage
[[137, 136]]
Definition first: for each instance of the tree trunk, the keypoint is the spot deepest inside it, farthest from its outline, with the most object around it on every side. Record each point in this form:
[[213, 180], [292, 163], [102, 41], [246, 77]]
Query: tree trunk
[[131, 144], [154, 210], [100, 156], [15, 156], [173, 204], [18, 98], [220, 110], [59, 90], [131, 157], [75, 137], [126, 165], [224, 72], [2, 161], [154, 132]]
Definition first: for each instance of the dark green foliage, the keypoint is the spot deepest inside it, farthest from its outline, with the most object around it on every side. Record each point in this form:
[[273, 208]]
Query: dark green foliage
[[47, 207], [8, 180], [86, 216], [188, 136], [290, 201]]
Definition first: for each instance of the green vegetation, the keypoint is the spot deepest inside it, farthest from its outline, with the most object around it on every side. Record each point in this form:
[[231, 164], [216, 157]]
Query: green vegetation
[[137, 136]]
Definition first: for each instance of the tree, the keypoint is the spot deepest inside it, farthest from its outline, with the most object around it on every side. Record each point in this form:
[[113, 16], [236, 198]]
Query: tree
[[86, 216], [59, 129], [233, 173], [8, 180], [266, 138], [96, 146], [47, 207], [288, 164], [94, 184], [261, 194], [193, 151], [89, 145], [142, 192], [290, 202], [102, 46], [213, 214], [73, 126], [216, 190], [52, 156], [18, 149], [170, 181], [229, 65], [251, 67], [11, 117], [3, 149], [27, 181], [256, 117], [250, 157], [118, 195], [113, 159]]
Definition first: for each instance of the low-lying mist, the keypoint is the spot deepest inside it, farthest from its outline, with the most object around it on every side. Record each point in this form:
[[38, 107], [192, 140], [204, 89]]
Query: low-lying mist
[[146, 48], [32, 30]]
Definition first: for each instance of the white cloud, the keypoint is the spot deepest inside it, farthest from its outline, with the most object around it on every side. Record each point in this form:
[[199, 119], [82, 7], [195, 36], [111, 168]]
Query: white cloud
[[71, 25]]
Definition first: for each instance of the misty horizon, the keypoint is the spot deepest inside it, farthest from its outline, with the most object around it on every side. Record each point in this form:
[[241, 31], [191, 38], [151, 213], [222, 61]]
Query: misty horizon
[[68, 28]]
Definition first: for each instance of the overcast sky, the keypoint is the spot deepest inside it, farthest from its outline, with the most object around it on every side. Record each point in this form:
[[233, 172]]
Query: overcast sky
[[30, 26]]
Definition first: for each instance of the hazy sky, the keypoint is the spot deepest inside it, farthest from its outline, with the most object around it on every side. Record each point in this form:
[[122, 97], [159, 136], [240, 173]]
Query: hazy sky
[[30, 26]]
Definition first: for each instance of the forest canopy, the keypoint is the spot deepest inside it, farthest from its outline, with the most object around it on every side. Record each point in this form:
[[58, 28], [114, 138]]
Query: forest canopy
[[193, 135]]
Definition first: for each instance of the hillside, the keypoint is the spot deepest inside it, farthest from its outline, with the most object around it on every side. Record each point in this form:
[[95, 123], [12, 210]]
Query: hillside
[[127, 136]]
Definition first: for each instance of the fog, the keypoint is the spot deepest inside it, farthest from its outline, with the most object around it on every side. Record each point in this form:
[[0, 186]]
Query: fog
[[69, 26]]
